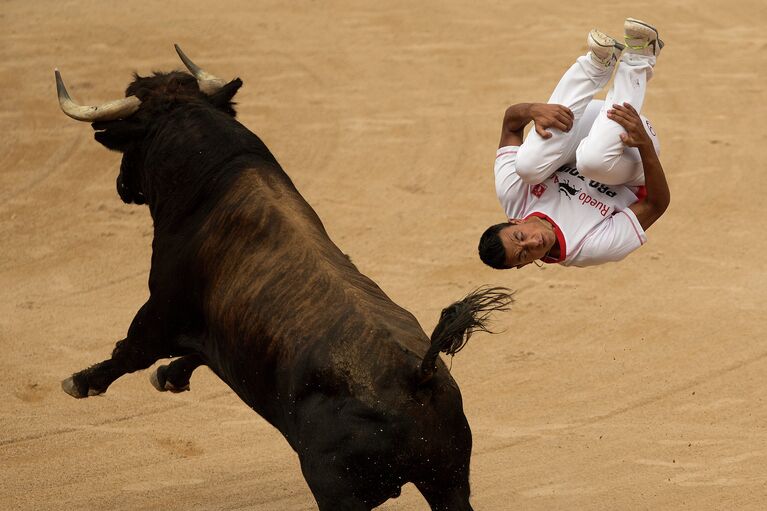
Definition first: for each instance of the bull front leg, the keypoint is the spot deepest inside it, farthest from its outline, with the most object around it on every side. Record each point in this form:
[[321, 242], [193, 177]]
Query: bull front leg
[[175, 376], [148, 340]]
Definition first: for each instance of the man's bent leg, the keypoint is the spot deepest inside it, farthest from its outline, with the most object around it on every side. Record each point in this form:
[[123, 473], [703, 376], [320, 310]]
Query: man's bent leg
[[538, 158], [601, 155]]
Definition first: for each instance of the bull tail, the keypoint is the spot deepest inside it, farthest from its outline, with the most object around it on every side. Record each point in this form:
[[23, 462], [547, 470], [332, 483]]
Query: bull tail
[[459, 321]]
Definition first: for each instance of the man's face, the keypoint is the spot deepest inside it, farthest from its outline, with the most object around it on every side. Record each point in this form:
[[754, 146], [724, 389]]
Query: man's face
[[526, 241]]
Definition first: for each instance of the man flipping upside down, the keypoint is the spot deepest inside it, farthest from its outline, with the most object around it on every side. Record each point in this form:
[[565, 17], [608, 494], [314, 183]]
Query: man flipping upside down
[[587, 182]]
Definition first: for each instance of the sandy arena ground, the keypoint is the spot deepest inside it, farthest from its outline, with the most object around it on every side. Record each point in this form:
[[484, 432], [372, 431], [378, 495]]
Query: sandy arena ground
[[637, 385]]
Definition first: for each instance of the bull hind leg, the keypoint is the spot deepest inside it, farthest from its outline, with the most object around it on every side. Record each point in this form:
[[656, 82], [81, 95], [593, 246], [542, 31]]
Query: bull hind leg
[[148, 340], [330, 502], [338, 486], [441, 498], [446, 485], [326, 503], [175, 376], [330, 486]]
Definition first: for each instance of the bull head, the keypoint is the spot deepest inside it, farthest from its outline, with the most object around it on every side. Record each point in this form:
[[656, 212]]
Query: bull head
[[125, 107], [119, 129]]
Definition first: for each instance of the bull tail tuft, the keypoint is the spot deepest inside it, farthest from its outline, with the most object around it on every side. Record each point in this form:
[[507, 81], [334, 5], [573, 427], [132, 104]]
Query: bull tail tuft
[[460, 320]]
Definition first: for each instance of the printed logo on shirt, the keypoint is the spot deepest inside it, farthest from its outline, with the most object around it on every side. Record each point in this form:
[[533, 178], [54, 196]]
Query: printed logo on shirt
[[592, 184], [566, 189], [539, 189]]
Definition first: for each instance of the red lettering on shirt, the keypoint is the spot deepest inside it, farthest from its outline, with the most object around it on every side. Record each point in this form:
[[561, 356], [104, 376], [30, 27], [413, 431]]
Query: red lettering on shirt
[[588, 200]]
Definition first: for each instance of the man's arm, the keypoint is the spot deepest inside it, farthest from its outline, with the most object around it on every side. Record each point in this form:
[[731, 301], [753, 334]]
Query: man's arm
[[544, 115], [658, 195]]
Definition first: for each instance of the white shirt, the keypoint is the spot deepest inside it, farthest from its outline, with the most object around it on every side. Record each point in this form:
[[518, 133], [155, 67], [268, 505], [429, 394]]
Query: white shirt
[[592, 221]]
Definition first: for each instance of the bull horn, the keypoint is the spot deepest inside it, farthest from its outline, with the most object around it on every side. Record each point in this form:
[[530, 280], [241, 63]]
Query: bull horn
[[117, 109], [207, 82]]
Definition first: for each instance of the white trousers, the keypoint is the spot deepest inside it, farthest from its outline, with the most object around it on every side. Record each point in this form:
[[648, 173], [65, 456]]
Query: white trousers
[[594, 140]]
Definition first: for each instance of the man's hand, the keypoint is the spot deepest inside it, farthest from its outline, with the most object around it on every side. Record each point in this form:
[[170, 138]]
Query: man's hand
[[628, 118], [546, 116]]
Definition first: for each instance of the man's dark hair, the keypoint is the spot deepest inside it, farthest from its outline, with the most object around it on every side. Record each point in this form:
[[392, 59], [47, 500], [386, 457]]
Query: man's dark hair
[[491, 249]]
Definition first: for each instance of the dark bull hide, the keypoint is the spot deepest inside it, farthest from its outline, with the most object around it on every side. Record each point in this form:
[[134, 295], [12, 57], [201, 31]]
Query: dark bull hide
[[245, 280]]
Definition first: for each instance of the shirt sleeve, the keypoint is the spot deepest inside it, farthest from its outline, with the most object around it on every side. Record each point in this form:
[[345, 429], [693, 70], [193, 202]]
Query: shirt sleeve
[[612, 240], [509, 187]]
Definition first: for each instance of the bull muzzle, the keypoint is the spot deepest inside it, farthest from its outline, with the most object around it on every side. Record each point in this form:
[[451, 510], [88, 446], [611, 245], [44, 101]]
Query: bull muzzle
[[127, 195]]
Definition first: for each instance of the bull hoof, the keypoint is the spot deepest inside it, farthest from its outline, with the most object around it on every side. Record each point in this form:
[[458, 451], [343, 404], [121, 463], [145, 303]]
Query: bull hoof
[[170, 387], [157, 378], [70, 387], [159, 381]]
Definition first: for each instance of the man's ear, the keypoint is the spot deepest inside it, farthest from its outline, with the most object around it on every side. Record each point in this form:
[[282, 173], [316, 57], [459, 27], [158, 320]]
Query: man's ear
[[117, 135], [222, 98], [522, 265]]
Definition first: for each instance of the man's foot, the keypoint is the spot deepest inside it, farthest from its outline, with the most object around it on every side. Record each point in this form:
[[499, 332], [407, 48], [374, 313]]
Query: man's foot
[[641, 38], [604, 50]]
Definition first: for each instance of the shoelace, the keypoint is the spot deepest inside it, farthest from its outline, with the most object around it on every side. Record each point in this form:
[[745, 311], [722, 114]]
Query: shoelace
[[635, 46]]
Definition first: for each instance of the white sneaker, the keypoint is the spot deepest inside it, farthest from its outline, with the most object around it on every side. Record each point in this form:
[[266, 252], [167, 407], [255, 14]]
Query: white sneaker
[[604, 50], [641, 38]]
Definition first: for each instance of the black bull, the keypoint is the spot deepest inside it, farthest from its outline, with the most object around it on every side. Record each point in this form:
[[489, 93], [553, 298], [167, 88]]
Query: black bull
[[244, 279]]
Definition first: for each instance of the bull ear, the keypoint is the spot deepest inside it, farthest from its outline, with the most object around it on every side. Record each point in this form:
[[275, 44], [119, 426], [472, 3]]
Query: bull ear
[[222, 98], [117, 135]]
